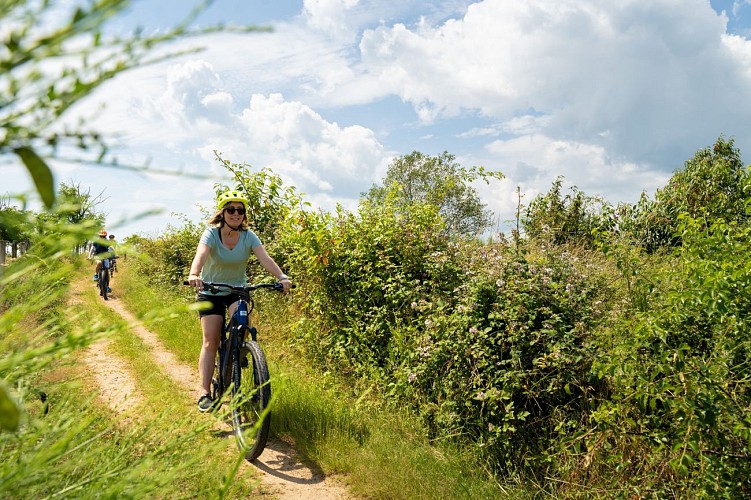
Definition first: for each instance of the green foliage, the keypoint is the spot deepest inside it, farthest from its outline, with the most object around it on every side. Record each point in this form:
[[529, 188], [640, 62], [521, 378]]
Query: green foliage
[[709, 187], [506, 364], [362, 273], [15, 225], [681, 374], [441, 182], [166, 259], [574, 218], [489, 347]]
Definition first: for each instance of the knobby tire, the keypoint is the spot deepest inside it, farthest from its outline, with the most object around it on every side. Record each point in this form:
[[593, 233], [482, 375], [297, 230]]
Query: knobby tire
[[251, 393], [104, 282]]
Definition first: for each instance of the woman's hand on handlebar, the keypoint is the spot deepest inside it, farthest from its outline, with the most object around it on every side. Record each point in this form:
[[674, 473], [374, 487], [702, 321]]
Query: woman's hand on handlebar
[[286, 284], [195, 281]]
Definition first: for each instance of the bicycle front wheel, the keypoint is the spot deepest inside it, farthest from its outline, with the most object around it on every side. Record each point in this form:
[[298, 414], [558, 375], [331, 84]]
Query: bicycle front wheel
[[251, 393]]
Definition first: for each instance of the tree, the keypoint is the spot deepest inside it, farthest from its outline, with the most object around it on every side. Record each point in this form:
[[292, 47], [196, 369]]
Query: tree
[[76, 205], [442, 182], [713, 185], [14, 227]]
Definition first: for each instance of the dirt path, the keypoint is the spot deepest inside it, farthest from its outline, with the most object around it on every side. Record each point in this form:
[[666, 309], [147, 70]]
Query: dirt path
[[278, 467]]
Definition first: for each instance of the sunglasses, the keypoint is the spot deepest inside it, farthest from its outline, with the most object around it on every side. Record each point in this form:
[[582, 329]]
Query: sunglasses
[[232, 210]]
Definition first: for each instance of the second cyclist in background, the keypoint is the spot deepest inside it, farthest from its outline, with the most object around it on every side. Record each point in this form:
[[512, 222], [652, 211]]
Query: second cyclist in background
[[113, 253]]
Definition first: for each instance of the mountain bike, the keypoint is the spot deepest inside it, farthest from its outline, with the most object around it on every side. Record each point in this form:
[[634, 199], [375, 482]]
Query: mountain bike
[[113, 264], [103, 279], [241, 366]]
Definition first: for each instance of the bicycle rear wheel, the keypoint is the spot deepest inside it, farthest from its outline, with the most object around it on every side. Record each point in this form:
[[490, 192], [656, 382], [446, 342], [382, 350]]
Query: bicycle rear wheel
[[104, 282], [251, 393]]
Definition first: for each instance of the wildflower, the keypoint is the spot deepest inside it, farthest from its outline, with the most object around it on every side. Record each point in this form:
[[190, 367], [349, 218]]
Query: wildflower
[[411, 377], [474, 330]]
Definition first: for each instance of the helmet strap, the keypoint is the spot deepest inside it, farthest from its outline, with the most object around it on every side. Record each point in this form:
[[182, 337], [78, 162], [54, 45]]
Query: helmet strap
[[232, 228]]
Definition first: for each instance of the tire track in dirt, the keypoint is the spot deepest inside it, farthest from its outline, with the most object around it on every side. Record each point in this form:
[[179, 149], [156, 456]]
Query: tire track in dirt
[[278, 467], [116, 387]]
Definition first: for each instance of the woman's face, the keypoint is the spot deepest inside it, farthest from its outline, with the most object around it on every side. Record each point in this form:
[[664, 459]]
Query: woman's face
[[234, 212]]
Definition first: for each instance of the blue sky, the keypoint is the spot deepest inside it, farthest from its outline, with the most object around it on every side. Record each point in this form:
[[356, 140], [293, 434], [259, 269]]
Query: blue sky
[[614, 96]]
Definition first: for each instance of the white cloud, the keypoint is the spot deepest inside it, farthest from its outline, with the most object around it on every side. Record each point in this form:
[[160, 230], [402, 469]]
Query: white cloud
[[301, 145], [622, 75], [330, 16], [535, 161]]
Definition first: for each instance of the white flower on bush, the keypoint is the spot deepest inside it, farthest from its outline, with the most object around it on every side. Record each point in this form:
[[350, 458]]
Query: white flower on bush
[[474, 331], [411, 377]]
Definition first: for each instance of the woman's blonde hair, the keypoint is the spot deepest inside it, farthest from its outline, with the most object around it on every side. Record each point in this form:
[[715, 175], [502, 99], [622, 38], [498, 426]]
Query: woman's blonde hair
[[218, 220]]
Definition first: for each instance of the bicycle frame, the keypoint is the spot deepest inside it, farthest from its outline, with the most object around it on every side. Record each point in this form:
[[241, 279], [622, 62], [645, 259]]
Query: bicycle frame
[[233, 334]]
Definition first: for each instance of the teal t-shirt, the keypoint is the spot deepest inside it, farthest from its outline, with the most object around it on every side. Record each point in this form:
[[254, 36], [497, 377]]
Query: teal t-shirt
[[224, 265]]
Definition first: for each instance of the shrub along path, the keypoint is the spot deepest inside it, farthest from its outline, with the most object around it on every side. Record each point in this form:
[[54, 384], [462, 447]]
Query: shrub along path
[[278, 467]]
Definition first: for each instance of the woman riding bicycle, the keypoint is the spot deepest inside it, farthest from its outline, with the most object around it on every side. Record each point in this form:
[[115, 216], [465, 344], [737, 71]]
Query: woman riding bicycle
[[222, 256]]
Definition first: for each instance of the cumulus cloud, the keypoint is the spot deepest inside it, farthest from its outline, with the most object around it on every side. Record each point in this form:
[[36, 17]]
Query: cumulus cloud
[[316, 156], [621, 75], [330, 16]]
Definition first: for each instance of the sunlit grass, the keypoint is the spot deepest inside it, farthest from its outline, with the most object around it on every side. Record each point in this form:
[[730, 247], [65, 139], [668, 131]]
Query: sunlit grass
[[71, 444], [172, 415], [377, 453]]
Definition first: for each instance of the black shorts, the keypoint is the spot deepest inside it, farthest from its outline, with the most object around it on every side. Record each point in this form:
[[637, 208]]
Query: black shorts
[[219, 303]]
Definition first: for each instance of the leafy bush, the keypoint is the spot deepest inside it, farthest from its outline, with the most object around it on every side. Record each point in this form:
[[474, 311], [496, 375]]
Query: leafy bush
[[681, 374], [362, 273], [573, 218], [508, 364], [488, 345]]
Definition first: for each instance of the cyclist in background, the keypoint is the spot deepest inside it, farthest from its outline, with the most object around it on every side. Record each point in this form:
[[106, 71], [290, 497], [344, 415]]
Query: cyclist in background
[[100, 250], [112, 247], [222, 256]]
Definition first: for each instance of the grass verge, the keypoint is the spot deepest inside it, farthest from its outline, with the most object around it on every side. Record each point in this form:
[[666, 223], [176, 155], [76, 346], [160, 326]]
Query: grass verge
[[379, 453]]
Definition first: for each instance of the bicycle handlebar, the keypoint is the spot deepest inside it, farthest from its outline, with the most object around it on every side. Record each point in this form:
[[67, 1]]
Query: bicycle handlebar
[[212, 287]]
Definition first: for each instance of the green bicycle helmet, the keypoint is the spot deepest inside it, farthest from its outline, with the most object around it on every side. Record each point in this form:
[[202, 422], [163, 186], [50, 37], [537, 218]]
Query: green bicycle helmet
[[229, 197]]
